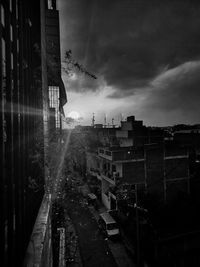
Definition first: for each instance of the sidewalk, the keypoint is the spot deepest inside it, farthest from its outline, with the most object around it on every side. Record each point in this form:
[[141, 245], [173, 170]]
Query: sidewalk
[[73, 258]]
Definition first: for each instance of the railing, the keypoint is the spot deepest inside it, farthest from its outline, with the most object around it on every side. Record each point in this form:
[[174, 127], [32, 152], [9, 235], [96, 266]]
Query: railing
[[121, 155], [39, 252], [105, 153], [113, 178], [94, 171]]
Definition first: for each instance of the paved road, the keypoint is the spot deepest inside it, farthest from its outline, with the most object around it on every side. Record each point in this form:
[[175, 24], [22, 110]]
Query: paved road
[[94, 249], [120, 254], [118, 249]]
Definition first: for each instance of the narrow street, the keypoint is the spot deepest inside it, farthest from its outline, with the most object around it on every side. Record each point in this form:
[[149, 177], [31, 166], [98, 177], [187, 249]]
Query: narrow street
[[95, 250], [118, 249], [120, 254]]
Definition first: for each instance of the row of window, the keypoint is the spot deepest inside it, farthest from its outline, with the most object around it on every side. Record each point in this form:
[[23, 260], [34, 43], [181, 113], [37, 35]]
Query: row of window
[[54, 103], [2, 11]]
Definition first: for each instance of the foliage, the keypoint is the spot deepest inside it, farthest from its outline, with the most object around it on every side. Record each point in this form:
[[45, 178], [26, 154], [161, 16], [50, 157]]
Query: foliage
[[71, 64]]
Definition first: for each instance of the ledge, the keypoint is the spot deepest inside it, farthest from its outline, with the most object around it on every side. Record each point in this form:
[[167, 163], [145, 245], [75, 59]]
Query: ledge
[[38, 253]]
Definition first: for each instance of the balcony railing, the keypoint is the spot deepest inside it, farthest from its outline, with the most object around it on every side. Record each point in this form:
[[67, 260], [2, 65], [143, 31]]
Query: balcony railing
[[121, 155], [112, 177]]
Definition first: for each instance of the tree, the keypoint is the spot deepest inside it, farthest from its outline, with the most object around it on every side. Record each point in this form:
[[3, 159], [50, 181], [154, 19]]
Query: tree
[[70, 64]]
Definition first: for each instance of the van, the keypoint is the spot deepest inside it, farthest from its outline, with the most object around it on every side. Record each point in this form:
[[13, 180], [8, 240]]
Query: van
[[108, 225]]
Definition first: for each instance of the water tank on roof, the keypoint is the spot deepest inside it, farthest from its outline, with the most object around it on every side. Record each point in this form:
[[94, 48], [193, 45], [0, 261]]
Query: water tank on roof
[[131, 118]]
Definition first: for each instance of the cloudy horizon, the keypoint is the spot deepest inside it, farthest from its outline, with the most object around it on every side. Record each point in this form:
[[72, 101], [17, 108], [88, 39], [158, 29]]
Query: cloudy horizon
[[145, 54]]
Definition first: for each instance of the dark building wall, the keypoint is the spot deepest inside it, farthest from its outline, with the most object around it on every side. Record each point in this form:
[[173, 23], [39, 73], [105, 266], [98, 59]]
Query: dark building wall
[[157, 172], [174, 188], [22, 172], [192, 139], [154, 169], [176, 168], [133, 172], [155, 136], [174, 149], [127, 154]]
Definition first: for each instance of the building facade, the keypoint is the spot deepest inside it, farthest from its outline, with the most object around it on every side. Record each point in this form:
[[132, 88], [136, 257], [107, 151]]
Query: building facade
[[155, 166], [24, 124]]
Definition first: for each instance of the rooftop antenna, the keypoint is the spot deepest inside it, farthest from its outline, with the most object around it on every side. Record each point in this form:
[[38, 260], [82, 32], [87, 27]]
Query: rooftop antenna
[[105, 120], [93, 119]]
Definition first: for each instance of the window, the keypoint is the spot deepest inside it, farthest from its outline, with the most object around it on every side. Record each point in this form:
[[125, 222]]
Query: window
[[17, 45], [2, 16], [101, 151], [11, 33], [10, 5], [16, 9], [111, 226], [3, 58], [11, 61], [51, 4], [54, 103]]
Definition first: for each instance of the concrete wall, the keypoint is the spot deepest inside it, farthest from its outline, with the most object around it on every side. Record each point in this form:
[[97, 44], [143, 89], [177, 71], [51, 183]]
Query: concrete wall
[[119, 169], [39, 252], [176, 168], [127, 126], [154, 169], [105, 197], [122, 134], [91, 162], [133, 172], [126, 142]]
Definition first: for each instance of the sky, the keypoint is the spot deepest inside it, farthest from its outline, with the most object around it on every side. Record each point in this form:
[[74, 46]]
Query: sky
[[144, 53]]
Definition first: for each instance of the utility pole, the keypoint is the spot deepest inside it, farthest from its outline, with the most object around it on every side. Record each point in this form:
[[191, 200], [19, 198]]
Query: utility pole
[[105, 121], [93, 119], [113, 122]]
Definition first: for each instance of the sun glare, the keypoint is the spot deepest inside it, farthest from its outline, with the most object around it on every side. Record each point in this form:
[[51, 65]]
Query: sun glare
[[74, 115]]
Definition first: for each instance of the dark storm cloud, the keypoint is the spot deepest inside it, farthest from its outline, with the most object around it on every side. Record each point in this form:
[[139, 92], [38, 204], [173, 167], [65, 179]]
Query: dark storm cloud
[[129, 43], [177, 89]]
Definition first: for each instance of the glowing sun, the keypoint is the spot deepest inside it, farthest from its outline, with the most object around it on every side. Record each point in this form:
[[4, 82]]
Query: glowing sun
[[74, 115]]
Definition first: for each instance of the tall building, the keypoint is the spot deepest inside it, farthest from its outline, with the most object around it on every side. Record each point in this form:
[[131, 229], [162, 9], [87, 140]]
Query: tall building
[[25, 120]]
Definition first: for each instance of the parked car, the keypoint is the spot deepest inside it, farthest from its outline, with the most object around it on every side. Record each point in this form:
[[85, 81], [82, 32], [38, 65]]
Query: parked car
[[108, 225]]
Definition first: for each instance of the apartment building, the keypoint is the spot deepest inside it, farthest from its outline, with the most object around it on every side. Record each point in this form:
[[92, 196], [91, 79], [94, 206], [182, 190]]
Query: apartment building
[[156, 166], [134, 133], [25, 124], [163, 170]]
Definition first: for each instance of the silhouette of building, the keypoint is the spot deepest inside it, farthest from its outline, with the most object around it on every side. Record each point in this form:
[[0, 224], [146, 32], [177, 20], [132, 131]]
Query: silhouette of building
[[24, 120]]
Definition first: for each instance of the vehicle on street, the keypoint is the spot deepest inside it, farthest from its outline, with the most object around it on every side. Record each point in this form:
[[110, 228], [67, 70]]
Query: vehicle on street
[[108, 225]]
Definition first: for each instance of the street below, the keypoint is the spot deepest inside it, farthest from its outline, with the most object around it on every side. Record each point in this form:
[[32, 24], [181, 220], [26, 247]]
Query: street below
[[95, 249]]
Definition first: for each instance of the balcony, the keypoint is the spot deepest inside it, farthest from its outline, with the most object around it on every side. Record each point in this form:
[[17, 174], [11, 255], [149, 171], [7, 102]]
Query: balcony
[[95, 172], [105, 153], [119, 155], [111, 177]]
